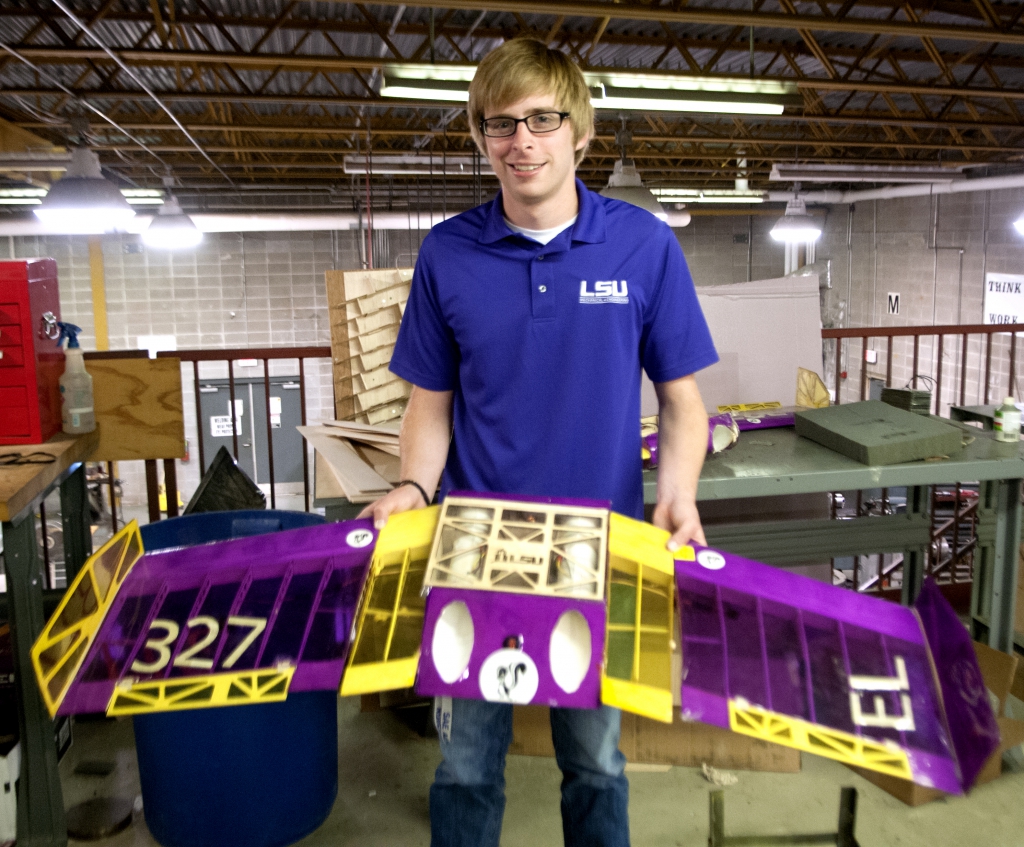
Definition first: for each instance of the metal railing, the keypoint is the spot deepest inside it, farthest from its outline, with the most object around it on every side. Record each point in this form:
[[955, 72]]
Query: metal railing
[[963, 335], [950, 558], [228, 357]]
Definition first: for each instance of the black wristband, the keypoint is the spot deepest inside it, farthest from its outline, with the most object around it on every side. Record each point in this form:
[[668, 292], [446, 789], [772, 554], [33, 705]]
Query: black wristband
[[418, 487]]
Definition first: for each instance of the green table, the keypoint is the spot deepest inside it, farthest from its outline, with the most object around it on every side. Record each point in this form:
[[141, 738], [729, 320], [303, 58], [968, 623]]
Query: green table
[[778, 462], [22, 488]]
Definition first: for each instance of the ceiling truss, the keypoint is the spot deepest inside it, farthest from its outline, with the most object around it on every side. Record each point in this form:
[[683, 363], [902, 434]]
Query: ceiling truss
[[278, 92]]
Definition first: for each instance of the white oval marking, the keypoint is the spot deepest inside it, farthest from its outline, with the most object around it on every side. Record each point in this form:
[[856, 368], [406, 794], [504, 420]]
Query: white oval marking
[[359, 538], [452, 644], [508, 676], [711, 560], [570, 651]]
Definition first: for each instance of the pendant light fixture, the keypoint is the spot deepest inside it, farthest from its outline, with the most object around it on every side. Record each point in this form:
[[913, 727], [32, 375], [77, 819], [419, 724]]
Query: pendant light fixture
[[171, 228], [796, 226], [83, 199], [624, 183]]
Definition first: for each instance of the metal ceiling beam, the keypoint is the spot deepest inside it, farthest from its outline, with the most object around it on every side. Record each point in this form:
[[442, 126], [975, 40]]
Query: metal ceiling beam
[[730, 18], [348, 64], [854, 117], [362, 27]]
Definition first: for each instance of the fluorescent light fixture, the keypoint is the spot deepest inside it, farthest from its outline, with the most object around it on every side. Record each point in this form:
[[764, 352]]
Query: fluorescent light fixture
[[605, 96], [143, 196], [707, 195], [171, 228], [864, 173], [796, 225], [82, 198], [621, 91], [415, 165], [624, 184], [33, 196], [21, 196], [1019, 224], [425, 89]]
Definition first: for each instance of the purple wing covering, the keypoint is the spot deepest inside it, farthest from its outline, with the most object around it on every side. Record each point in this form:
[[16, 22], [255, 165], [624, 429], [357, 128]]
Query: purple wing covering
[[752, 633], [514, 648], [188, 612], [972, 725], [765, 419]]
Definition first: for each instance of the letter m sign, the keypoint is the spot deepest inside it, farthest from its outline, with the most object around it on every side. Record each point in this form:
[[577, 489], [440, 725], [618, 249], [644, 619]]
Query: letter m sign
[[892, 305]]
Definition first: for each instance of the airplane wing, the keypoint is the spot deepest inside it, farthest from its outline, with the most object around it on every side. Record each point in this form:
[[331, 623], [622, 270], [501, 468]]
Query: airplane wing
[[244, 620], [523, 601], [787, 659]]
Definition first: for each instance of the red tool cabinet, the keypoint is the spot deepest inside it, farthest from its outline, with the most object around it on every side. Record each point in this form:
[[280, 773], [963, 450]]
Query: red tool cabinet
[[30, 360]]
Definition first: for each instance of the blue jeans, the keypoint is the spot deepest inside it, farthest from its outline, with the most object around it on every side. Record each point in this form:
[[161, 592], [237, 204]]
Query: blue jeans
[[467, 799]]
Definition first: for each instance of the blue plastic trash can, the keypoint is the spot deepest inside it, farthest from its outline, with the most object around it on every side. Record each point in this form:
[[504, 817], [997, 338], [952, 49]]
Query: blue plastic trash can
[[261, 775]]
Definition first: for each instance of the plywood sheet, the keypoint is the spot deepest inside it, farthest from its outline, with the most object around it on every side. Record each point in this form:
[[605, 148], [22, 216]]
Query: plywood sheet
[[360, 482], [139, 411]]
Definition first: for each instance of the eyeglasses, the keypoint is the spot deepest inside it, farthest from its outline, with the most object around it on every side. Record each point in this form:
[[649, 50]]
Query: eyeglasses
[[26, 459], [538, 123]]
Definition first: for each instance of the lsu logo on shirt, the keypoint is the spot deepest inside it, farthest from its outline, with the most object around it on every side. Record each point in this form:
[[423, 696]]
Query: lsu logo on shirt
[[604, 291]]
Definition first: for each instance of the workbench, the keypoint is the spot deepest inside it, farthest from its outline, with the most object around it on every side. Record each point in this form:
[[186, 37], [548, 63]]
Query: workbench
[[777, 462], [22, 488]]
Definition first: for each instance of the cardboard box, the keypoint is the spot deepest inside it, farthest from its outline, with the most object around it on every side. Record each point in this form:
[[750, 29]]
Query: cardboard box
[[999, 670], [652, 742]]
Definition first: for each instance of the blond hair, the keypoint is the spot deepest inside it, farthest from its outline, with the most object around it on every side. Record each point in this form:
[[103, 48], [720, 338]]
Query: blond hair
[[523, 67]]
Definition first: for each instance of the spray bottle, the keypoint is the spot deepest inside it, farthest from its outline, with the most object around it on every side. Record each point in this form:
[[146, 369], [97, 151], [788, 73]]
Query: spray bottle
[[77, 410]]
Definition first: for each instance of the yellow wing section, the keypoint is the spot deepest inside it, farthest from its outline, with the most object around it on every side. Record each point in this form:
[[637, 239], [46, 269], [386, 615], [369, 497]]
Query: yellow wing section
[[637, 673], [389, 625], [61, 647]]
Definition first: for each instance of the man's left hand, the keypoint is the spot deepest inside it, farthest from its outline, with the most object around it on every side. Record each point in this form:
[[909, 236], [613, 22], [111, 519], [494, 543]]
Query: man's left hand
[[680, 518]]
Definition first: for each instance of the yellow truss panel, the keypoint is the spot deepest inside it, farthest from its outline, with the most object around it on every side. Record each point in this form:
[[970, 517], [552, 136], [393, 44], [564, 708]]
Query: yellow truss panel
[[61, 647], [831, 743], [174, 695], [641, 634], [389, 625]]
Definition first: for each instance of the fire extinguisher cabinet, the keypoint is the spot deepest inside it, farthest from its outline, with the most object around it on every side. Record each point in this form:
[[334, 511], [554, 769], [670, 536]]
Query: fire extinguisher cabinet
[[30, 360]]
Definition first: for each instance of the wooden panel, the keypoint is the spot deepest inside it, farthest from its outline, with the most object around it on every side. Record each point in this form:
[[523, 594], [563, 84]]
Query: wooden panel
[[138, 408]]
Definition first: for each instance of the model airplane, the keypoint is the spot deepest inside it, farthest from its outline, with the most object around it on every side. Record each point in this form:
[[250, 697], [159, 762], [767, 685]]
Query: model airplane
[[561, 603]]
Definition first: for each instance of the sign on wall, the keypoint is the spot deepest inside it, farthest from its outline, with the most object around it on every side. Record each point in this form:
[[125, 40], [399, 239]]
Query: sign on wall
[[1004, 299]]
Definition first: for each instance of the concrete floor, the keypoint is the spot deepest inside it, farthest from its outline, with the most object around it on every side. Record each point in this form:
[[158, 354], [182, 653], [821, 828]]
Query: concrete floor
[[385, 769]]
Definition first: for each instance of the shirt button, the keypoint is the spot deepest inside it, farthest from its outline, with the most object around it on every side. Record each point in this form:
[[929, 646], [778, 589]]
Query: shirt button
[[540, 258], [542, 288]]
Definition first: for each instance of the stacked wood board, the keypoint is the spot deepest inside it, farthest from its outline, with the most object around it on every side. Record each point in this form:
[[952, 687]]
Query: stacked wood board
[[365, 310], [361, 459]]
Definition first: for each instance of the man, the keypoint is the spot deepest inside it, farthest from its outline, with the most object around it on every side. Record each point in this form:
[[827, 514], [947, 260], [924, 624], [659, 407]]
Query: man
[[527, 324]]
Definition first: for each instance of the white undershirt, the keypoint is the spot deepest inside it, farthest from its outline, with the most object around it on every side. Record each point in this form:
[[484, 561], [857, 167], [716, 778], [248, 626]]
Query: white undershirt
[[541, 235]]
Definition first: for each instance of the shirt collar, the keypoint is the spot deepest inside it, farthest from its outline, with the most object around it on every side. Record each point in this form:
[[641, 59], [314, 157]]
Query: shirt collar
[[589, 227]]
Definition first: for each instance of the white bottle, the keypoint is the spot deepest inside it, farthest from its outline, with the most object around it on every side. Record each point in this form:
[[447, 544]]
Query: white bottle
[[77, 412], [1007, 421]]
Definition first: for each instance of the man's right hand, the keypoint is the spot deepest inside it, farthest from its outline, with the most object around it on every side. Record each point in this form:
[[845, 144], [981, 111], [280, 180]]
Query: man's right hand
[[400, 499]]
